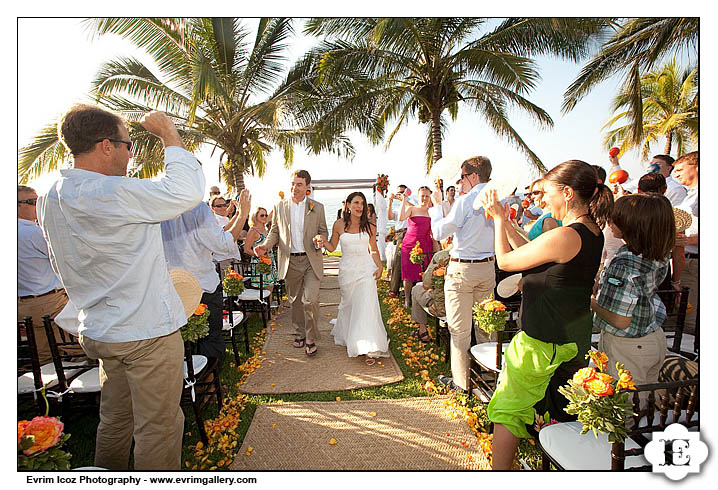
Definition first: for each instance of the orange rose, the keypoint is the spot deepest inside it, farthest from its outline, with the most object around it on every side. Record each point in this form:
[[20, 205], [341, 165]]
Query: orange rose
[[21, 429], [584, 375], [47, 432], [265, 259], [499, 306], [200, 309], [281, 194], [599, 386], [439, 271]]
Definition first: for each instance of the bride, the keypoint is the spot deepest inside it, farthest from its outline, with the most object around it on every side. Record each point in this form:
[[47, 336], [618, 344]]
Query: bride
[[359, 325]]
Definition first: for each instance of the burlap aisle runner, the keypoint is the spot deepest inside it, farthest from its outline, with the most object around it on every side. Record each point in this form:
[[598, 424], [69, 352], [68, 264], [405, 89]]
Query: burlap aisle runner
[[286, 369], [406, 434]]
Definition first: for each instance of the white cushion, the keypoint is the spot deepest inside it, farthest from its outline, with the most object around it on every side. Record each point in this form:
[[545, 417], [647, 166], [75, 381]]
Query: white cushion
[[573, 451], [595, 337], [198, 364], [26, 383], [687, 342], [485, 354], [253, 295], [88, 382], [238, 316]]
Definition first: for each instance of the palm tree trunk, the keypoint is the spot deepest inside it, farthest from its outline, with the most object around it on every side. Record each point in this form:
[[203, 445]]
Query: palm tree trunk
[[669, 140], [436, 135], [238, 181]]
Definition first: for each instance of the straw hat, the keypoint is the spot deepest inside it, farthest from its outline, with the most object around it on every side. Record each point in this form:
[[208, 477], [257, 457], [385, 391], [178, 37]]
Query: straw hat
[[188, 289], [683, 220], [509, 286]]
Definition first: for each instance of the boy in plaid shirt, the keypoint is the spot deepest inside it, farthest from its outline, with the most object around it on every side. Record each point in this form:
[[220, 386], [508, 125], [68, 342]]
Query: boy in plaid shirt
[[627, 309]]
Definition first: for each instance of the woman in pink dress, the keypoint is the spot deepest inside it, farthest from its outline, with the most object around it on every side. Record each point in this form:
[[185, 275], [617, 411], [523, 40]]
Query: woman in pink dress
[[418, 230]]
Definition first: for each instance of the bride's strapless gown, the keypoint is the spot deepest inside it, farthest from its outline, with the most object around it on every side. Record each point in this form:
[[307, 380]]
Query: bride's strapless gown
[[359, 325]]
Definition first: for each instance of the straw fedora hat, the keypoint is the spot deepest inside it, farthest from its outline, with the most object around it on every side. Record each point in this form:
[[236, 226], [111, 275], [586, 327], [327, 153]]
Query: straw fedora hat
[[509, 286], [188, 289], [683, 220]]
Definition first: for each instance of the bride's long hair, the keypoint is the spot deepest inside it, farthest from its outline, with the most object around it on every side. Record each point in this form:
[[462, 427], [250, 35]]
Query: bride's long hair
[[364, 224]]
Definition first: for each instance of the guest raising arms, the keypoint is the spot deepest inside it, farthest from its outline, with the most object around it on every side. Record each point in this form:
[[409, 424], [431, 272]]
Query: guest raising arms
[[418, 229], [256, 235], [559, 269]]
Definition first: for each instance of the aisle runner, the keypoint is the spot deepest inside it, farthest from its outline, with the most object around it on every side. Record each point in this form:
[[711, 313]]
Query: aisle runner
[[286, 369], [407, 434]]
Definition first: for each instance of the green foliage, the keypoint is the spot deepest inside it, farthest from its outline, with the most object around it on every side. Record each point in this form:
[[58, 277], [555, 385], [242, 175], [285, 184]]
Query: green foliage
[[54, 458], [489, 318], [196, 328], [607, 414], [232, 286]]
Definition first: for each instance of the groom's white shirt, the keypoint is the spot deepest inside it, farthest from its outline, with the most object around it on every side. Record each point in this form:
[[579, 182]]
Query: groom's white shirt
[[296, 215]]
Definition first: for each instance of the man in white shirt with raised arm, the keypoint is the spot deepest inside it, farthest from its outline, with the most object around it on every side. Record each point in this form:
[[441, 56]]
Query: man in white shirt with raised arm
[[105, 244], [471, 275]]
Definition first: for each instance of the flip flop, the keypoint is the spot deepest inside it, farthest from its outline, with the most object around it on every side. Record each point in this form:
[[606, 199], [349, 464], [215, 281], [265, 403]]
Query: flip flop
[[298, 343], [308, 349], [370, 361]]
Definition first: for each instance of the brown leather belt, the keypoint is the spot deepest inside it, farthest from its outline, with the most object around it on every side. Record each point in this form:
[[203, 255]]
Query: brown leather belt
[[473, 261], [298, 254], [41, 295]]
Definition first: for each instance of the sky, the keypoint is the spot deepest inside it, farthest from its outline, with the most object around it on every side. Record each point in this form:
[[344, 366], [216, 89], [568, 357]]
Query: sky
[[576, 135], [55, 63]]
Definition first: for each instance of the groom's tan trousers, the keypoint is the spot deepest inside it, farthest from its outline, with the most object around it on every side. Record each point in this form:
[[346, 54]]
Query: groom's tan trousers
[[303, 294]]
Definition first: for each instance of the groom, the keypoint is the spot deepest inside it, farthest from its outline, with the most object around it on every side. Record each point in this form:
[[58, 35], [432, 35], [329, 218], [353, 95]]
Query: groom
[[300, 229]]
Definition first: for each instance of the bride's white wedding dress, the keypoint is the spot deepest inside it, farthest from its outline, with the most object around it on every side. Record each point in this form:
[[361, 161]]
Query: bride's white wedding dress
[[359, 325]]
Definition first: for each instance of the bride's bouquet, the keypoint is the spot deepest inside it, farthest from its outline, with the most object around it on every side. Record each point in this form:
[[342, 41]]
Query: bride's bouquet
[[417, 255]]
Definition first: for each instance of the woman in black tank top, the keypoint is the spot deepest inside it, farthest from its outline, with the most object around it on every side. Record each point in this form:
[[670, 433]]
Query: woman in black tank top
[[558, 268]]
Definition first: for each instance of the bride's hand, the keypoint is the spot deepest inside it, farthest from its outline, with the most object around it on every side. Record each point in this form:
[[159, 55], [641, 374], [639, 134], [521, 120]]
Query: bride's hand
[[378, 272]]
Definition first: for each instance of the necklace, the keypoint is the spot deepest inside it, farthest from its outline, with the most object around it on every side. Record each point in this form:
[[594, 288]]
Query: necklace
[[577, 218]]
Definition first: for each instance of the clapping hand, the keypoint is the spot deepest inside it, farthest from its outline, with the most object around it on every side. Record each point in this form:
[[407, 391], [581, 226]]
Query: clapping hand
[[245, 202], [436, 196], [493, 207]]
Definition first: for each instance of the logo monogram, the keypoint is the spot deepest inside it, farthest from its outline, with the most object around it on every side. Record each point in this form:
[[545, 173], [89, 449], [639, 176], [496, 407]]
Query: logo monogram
[[676, 452]]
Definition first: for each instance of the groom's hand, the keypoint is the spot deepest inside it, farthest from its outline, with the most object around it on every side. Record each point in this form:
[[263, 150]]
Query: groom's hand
[[260, 250], [318, 241]]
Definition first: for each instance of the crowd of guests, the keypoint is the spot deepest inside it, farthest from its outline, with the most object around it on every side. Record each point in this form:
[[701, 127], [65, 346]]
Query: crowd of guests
[[592, 257]]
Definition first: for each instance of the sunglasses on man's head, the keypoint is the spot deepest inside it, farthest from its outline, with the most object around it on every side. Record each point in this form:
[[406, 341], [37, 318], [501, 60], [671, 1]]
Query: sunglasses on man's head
[[31, 202]]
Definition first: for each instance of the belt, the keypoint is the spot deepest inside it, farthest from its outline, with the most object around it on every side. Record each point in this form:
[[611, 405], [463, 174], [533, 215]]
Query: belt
[[52, 291], [691, 256], [472, 261], [298, 254]]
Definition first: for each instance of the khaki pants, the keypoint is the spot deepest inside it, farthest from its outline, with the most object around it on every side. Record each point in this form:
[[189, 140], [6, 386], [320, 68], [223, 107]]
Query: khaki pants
[[49, 304], [303, 295], [420, 298], [141, 388], [689, 279], [465, 285]]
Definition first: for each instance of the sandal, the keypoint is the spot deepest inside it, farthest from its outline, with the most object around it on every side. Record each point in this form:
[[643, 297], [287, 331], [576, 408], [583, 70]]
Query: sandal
[[424, 337], [370, 361], [308, 349], [298, 343]]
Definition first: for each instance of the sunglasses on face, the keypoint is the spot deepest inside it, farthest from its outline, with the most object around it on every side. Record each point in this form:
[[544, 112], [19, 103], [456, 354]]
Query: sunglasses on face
[[31, 202], [128, 143], [220, 205], [536, 193], [262, 215]]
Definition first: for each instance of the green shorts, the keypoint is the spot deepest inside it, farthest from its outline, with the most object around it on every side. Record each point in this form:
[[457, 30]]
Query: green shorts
[[529, 365]]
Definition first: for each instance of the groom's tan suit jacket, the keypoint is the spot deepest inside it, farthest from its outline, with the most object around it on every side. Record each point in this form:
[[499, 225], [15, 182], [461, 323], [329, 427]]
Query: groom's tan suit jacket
[[314, 224]]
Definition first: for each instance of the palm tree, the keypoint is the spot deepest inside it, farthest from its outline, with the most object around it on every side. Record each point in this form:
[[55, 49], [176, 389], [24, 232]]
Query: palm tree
[[219, 89], [670, 110], [635, 48], [397, 68]]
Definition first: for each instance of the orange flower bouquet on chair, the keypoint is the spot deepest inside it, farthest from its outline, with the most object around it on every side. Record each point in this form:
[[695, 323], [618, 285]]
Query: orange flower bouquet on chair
[[39, 443], [600, 401], [197, 325], [491, 315], [232, 283], [264, 266]]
